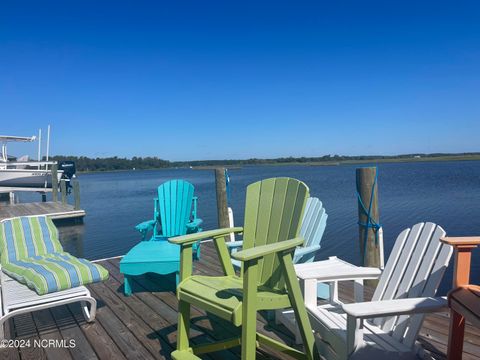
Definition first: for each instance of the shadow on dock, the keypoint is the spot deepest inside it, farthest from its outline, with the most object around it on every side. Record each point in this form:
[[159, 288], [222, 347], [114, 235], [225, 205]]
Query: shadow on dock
[[143, 326]]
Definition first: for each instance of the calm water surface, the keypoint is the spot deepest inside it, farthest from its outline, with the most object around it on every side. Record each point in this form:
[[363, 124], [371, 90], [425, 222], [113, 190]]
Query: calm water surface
[[447, 193]]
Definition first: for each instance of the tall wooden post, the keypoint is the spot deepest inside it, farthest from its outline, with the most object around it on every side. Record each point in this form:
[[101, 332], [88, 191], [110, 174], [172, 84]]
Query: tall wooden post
[[221, 189], [54, 182], [63, 190], [367, 187], [76, 194]]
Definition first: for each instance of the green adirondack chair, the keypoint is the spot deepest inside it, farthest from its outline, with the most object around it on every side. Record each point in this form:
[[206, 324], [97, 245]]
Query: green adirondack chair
[[313, 226], [273, 212], [175, 213]]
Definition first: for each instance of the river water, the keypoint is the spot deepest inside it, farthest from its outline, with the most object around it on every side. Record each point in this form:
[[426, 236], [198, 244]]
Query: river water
[[447, 193]]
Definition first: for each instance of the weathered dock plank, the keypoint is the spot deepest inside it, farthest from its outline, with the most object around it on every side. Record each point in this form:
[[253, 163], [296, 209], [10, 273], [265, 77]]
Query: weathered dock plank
[[123, 335], [48, 331], [25, 330], [74, 339], [99, 339], [55, 210], [143, 326]]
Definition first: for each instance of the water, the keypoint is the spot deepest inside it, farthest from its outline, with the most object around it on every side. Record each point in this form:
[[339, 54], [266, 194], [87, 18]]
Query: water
[[447, 193]]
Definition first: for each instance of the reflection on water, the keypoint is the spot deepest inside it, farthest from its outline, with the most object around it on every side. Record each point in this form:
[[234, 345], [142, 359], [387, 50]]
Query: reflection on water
[[71, 236], [447, 193]]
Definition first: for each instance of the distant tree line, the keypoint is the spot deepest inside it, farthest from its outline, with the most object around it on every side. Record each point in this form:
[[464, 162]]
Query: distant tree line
[[84, 163]]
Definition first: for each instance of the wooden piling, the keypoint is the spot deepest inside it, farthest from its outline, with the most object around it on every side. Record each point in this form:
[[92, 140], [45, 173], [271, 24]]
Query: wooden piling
[[54, 182], [63, 191], [76, 194], [365, 182], [221, 189]]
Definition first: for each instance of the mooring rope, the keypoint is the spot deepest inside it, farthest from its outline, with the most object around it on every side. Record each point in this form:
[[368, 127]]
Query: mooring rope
[[227, 185], [370, 223]]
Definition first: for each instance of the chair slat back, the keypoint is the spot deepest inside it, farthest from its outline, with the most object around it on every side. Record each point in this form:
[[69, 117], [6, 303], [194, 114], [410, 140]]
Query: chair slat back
[[415, 268], [314, 222], [273, 211], [175, 199]]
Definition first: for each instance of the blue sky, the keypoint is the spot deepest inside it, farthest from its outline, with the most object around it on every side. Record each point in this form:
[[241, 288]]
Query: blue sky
[[186, 80]]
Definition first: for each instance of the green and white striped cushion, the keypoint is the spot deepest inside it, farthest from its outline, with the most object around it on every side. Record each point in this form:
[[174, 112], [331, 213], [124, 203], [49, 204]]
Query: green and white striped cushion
[[27, 236], [54, 272], [31, 253]]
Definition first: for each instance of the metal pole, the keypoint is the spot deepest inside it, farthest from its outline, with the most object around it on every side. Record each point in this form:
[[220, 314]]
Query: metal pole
[[39, 147], [48, 145]]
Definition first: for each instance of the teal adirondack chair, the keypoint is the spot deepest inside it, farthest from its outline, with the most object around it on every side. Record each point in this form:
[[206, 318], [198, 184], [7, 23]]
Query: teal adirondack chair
[[175, 213], [267, 281], [313, 226]]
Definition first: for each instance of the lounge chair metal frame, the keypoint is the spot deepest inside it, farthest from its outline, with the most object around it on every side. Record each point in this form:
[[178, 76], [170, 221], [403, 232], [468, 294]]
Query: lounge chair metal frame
[[17, 299]]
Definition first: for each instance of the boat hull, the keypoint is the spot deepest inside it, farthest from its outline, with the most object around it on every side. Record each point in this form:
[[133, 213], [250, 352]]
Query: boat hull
[[26, 178]]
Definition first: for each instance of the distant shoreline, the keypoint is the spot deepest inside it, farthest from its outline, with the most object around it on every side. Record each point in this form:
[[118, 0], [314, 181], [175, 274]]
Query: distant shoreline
[[420, 159]]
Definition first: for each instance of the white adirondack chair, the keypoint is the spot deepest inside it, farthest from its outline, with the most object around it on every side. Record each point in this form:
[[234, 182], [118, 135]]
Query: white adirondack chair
[[395, 314], [313, 226]]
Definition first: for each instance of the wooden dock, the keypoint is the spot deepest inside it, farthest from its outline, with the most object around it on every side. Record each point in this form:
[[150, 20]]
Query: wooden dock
[[56, 210], [143, 326]]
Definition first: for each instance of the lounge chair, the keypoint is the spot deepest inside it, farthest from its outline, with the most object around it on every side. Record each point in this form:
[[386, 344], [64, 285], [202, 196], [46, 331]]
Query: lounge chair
[[31, 254], [405, 292]]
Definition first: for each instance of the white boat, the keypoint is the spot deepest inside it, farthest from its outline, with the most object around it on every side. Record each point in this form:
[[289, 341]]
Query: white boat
[[24, 173]]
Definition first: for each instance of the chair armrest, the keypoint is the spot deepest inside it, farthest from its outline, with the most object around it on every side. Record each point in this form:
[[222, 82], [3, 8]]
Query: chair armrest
[[234, 244], [261, 251], [191, 238], [372, 309], [194, 223], [145, 226], [302, 251], [356, 313], [461, 241]]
